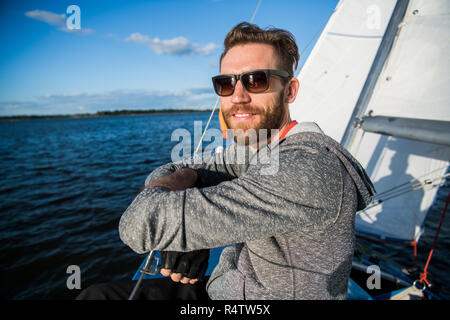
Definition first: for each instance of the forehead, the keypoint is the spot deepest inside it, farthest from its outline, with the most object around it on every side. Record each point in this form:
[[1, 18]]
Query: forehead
[[247, 57]]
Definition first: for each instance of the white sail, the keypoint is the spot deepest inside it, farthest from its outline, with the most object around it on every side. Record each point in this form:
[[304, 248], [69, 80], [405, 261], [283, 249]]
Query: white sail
[[415, 80], [334, 74], [409, 81]]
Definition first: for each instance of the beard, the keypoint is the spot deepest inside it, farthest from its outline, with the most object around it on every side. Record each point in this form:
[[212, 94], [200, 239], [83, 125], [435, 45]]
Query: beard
[[255, 132]]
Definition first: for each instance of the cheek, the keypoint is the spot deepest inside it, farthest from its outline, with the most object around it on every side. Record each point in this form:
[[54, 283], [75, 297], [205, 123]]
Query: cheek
[[269, 101], [263, 101], [225, 105]]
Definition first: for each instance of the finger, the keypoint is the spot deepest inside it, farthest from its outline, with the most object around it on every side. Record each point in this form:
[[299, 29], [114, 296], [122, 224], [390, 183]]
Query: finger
[[185, 280], [192, 281], [176, 277], [198, 265], [197, 270], [165, 272], [182, 266], [168, 259]]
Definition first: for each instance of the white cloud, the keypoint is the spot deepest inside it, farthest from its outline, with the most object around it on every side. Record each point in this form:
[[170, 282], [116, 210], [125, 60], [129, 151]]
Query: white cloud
[[208, 48], [72, 103], [175, 46], [56, 20], [48, 17]]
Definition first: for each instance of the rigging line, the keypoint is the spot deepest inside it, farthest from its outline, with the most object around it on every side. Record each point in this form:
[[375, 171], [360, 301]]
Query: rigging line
[[423, 276], [206, 127], [415, 180], [418, 186], [311, 41], [402, 192], [412, 185], [381, 201], [256, 10], [217, 101]]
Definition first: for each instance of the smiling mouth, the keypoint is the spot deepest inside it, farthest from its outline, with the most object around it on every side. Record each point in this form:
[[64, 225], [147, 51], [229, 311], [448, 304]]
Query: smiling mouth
[[243, 115]]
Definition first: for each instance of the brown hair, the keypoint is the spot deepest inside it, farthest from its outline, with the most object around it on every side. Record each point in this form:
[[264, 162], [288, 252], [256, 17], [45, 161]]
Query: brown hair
[[283, 41]]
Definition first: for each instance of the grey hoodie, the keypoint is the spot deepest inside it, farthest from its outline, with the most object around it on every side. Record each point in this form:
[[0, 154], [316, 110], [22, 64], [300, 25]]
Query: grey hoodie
[[291, 231]]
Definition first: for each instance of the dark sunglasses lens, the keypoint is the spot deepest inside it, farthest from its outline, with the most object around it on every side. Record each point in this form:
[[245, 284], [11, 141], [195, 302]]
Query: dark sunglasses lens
[[224, 86], [255, 81]]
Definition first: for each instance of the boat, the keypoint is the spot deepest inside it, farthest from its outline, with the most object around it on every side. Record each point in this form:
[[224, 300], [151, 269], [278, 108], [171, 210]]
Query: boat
[[377, 82]]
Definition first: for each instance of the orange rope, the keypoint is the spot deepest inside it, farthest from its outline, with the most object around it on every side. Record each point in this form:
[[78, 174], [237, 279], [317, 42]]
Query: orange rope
[[423, 276]]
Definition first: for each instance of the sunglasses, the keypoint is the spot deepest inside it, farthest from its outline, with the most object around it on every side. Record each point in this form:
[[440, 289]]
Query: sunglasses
[[256, 81]]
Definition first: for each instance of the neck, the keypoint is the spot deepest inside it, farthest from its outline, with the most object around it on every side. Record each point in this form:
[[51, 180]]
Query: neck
[[284, 124]]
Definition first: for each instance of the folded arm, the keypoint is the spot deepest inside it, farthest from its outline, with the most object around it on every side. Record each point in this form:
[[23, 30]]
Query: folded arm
[[304, 194]]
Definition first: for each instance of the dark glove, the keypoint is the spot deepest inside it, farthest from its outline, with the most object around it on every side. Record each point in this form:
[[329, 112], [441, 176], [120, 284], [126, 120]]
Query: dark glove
[[191, 265]]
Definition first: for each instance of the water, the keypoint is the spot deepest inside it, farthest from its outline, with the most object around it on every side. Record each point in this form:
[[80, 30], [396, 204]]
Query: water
[[65, 184]]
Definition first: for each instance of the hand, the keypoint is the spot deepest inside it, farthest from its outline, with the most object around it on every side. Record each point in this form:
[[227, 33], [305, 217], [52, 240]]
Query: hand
[[184, 267], [181, 179]]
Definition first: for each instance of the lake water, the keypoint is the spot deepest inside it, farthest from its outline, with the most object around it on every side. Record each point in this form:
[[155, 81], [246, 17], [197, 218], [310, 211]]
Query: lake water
[[66, 182]]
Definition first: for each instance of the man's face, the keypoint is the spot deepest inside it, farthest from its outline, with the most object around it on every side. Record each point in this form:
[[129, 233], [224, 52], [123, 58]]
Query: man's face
[[245, 110]]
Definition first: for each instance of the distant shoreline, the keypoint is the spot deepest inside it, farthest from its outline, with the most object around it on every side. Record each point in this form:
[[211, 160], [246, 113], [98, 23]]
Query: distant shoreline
[[101, 114]]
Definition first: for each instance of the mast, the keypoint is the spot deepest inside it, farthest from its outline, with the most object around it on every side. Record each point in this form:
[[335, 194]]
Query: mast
[[377, 66]]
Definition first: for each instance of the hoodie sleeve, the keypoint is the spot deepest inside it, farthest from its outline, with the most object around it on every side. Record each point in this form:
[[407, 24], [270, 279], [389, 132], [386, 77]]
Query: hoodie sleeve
[[304, 192], [211, 169]]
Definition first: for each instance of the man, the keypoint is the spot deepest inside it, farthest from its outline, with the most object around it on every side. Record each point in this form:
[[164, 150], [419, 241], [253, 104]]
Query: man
[[290, 233]]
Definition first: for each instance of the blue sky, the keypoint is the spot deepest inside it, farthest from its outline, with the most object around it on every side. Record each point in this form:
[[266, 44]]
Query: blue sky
[[129, 54]]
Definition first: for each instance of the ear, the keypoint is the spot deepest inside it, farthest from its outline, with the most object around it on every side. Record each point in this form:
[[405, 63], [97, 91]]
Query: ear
[[291, 90]]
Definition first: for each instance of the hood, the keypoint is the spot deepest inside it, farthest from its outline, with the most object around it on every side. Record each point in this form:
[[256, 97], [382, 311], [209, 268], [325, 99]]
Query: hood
[[309, 132]]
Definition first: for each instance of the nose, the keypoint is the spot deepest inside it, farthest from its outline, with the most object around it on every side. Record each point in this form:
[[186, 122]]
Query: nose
[[240, 95]]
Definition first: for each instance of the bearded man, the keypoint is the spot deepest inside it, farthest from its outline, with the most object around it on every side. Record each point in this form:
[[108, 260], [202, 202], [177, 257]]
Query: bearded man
[[288, 234]]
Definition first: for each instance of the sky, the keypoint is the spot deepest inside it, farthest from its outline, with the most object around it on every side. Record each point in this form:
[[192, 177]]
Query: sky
[[130, 54]]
